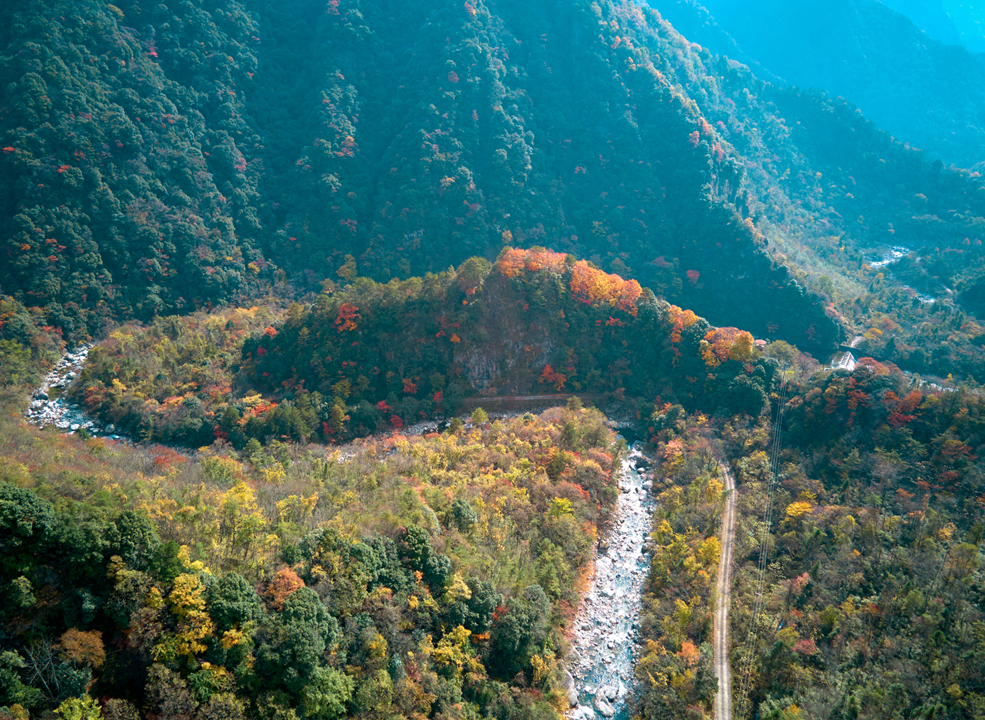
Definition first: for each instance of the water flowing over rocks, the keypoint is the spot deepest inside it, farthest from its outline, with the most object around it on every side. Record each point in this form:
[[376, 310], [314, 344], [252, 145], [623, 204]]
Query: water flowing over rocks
[[605, 647], [844, 361], [49, 407], [893, 255]]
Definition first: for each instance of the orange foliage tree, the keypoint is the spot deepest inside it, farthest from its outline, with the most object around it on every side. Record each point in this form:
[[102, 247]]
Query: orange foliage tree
[[551, 376], [588, 285], [901, 410], [284, 583], [682, 319], [726, 343], [515, 261], [83, 648], [878, 368], [592, 286]]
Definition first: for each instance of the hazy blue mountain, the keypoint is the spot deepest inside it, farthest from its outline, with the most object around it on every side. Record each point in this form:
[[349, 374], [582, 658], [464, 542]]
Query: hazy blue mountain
[[930, 16], [970, 21], [925, 92], [950, 21]]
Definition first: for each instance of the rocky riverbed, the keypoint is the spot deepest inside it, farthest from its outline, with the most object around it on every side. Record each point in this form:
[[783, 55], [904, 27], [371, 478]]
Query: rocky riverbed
[[605, 632], [50, 408]]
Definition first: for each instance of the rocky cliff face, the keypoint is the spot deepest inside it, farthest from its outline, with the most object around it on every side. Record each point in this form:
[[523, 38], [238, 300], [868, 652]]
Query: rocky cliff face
[[511, 350]]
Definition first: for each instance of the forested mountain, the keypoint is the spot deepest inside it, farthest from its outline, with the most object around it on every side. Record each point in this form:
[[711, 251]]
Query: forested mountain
[[287, 136], [917, 86], [126, 189], [227, 144]]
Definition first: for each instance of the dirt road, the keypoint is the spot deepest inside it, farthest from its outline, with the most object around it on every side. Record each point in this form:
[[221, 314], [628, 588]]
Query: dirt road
[[484, 399], [723, 698]]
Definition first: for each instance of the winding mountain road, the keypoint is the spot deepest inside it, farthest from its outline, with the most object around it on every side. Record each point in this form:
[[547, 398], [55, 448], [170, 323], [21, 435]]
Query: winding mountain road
[[723, 598]]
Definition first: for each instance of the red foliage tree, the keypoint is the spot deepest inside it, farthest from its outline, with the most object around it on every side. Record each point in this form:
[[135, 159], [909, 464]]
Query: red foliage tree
[[346, 320], [551, 376]]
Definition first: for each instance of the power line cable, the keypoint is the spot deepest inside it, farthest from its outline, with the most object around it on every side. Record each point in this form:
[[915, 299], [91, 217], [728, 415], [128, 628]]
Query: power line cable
[[752, 637]]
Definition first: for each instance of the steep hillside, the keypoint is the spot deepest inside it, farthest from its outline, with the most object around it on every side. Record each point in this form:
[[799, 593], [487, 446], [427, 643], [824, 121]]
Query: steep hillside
[[830, 193], [407, 137], [283, 144], [129, 177]]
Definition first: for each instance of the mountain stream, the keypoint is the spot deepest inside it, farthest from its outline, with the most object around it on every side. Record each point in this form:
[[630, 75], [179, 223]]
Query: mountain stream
[[605, 647], [49, 407]]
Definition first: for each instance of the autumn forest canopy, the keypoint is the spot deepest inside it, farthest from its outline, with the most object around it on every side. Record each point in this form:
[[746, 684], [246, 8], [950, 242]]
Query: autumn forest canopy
[[328, 252]]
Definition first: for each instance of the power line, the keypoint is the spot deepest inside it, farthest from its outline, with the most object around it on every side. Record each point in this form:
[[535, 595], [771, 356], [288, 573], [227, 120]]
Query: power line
[[752, 636]]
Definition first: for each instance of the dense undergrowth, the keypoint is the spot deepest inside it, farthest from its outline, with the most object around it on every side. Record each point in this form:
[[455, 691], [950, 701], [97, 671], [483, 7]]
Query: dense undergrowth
[[872, 595], [415, 577], [675, 675], [873, 600]]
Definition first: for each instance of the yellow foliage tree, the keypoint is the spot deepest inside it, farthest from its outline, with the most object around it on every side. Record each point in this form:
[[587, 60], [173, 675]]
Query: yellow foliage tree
[[454, 650], [798, 509], [187, 601], [296, 508], [710, 551], [241, 523]]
